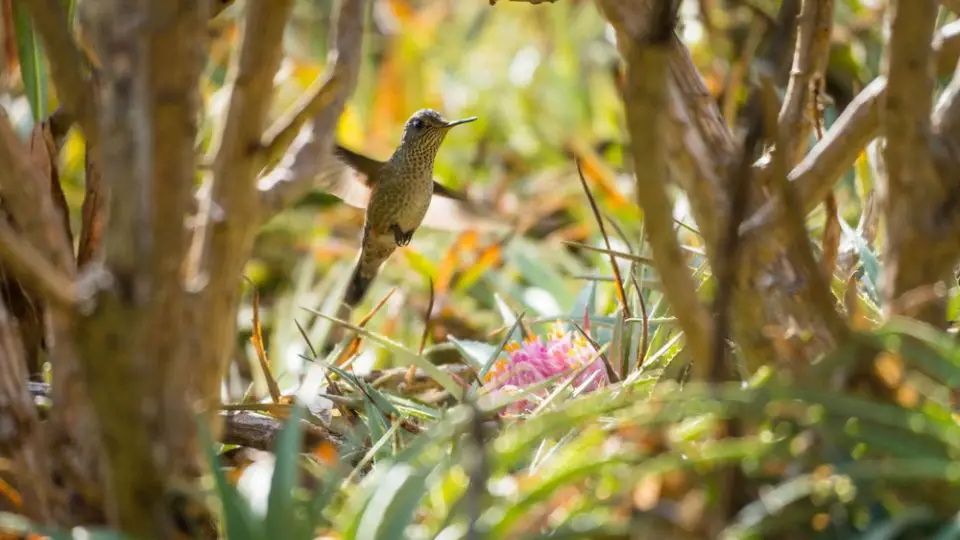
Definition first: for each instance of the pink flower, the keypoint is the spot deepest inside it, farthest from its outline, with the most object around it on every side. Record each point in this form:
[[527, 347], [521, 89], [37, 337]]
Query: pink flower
[[535, 360]]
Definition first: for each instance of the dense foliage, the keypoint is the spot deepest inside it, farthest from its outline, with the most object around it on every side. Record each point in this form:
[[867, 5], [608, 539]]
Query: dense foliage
[[406, 421]]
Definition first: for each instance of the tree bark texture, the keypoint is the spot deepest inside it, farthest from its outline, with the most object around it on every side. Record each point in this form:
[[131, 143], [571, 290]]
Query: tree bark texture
[[140, 329], [783, 308]]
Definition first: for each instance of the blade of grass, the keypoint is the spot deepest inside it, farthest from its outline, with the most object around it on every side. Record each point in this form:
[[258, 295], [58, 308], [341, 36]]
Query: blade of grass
[[445, 380], [606, 239], [33, 69]]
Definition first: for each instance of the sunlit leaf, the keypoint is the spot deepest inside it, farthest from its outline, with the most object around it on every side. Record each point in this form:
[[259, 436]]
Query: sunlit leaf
[[33, 68]]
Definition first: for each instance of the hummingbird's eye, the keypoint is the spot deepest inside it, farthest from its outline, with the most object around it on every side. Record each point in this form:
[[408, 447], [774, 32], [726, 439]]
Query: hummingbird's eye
[[417, 124]]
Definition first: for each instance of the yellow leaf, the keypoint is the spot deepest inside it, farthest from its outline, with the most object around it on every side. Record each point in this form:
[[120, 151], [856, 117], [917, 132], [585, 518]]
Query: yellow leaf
[[350, 128]]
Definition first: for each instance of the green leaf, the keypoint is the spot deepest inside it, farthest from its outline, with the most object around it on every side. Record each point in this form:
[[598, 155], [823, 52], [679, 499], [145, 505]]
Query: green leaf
[[281, 519], [378, 426], [392, 506], [896, 527], [379, 400], [406, 356], [950, 531], [476, 353], [240, 522], [585, 302], [33, 70], [871, 264]]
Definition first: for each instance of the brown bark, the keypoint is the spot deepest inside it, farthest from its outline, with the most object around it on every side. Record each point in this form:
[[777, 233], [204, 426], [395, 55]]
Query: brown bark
[[912, 185], [21, 438], [856, 127], [130, 341], [225, 244], [221, 248], [809, 68], [772, 288], [645, 98]]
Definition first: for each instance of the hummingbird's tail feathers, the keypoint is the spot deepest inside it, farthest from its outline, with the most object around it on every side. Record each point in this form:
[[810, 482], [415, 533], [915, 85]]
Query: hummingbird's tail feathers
[[357, 287]]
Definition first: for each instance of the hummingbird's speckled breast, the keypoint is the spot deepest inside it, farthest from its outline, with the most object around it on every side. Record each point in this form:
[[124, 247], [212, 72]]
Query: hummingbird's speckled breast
[[402, 195]]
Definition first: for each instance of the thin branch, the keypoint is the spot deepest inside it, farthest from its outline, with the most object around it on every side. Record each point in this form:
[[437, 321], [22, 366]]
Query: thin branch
[[833, 155], [226, 243], [809, 67], [795, 228], [729, 248], [254, 430], [320, 95], [946, 116], [303, 165], [27, 198], [33, 269], [645, 99], [248, 428], [66, 64]]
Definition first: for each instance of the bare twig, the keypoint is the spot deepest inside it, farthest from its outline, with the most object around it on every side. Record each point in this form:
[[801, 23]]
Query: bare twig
[[229, 241], [318, 97], [33, 269], [645, 98], [809, 65], [310, 148], [729, 248], [260, 431], [796, 230], [612, 252], [859, 124], [27, 198], [830, 244], [741, 68]]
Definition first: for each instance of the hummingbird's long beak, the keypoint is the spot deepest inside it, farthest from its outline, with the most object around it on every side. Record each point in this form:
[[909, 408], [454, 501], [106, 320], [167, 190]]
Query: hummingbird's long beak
[[458, 122]]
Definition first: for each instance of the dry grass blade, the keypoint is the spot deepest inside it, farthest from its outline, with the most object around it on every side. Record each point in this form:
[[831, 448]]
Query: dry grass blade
[[427, 319], [615, 253], [256, 338], [621, 295], [354, 346], [93, 212], [43, 151], [645, 344], [611, 373]]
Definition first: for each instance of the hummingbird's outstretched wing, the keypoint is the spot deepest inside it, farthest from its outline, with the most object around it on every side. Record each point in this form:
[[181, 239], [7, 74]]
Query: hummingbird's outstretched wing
[[364, 165], [369, 168], [449, 210]]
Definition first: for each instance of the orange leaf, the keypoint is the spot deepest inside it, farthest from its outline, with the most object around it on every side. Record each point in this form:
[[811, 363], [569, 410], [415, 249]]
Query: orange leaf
[[600, 174]]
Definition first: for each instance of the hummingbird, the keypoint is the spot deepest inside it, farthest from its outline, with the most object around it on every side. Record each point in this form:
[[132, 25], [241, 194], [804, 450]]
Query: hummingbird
[[401, 189]]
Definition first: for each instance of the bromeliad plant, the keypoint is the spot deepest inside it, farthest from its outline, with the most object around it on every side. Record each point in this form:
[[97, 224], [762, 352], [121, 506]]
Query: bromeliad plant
[[559, 355]]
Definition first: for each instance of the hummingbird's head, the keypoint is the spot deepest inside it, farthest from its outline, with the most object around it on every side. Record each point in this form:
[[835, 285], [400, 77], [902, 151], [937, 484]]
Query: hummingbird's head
[[426, 128]]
